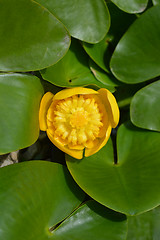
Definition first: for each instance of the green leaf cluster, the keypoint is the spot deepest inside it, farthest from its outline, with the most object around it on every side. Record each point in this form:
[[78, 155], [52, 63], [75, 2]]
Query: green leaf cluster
[[54, 44]]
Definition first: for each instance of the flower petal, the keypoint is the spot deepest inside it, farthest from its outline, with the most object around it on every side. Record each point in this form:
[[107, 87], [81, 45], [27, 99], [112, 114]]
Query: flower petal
[[76, 147], [74, 153], [111, 106], [44, 105], [91, 144], [102, 142], [65, 93]]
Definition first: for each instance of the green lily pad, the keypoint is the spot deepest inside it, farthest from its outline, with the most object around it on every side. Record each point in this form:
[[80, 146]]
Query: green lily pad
[[92, 221], [134, 6], [101, 52], [73, 70], [145, 107], [34, 197], [31, 38], [86, 20], [132, 185], [155, 2], [144, 226], [20, 96], [108, 79], [125, 93], [136, 57]]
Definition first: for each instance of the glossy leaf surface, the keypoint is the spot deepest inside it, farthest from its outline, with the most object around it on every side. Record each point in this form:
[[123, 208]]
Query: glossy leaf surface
[[31, 38], [132, 185], [145, 107], [144, 226], [92, 221], [136, 57], [35, 196], [133, 6], [86, 20], [73, 70], [20, 96], [101, 52], [106, 78]]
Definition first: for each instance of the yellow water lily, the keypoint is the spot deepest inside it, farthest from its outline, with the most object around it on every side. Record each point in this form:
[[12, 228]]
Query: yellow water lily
[[79, 120]]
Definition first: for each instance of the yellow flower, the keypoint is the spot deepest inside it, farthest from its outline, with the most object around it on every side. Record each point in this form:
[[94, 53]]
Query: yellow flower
[[79, 119]]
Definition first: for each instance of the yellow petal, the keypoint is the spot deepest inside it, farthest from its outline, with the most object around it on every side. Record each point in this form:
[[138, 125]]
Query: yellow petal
[[44, 105], [91, 144], [73, 91], [76, 147], [74, 153], [50, 113], [102, 142], [111, 106]]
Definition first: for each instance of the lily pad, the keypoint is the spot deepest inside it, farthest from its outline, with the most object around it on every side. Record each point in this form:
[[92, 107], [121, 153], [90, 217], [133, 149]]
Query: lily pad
[[34, 197], [125, 93], [155, 2], [92, 221], [20, 96], [145, 107], [107, 78], [101, 52], [144, 226], [31, 38], [131, 185], [73, 70], [136, 57], [86, 20], [134, 6]]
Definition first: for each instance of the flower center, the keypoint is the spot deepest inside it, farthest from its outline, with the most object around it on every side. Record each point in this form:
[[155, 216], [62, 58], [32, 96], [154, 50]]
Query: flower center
[[77, 120]]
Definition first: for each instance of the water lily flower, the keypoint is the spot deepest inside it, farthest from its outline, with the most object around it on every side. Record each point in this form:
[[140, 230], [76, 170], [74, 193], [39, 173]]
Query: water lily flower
[[79, 120]]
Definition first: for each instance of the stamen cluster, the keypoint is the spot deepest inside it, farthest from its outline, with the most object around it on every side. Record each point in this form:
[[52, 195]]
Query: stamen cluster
[[76, 120]]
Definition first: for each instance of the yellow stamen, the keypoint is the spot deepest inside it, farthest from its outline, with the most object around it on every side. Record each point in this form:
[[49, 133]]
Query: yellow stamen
[[77, 120]]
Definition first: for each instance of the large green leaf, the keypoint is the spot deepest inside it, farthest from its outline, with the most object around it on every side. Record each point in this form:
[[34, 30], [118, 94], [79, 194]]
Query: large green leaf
[[86, 20], [101, 52], [73, 70], [34, 197], [134, 6], [20, 96], [132, 185], [145, 107], [31, 38], [92, 221], [144, 226], [136, 57]]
